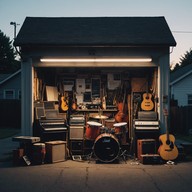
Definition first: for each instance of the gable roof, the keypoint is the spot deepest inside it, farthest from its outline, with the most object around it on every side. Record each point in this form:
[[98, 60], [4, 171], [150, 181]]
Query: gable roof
[[9, 76], [129, 31], [180, 74]]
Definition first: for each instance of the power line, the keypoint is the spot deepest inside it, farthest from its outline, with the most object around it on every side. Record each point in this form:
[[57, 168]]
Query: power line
[[182, 31]]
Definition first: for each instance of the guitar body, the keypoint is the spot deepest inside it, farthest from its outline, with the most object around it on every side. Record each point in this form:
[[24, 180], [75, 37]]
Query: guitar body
[[147, 104], [64, 104], [121, 117], [74, 105], [167, 150]]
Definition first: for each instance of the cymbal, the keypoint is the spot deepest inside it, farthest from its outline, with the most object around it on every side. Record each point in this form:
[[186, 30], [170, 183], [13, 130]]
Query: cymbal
[[100, 117], [120, 124], [92, 123]]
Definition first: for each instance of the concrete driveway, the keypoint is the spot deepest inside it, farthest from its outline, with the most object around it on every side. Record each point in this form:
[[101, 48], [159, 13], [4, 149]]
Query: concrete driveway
[[83, 176], [74, 176]]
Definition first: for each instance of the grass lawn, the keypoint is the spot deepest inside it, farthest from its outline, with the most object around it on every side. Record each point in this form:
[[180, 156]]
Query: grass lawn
[[8, 132]]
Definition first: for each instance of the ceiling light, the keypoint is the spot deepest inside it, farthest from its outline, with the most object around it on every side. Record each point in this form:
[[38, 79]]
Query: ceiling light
[[86, 60]]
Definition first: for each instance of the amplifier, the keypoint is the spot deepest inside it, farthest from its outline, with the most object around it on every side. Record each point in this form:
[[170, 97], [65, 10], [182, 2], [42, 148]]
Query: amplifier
[[147, 115], [150, 159], [55, 151], [76, 147], [145, 146], [77, 120], [146, 125], [76, 132]]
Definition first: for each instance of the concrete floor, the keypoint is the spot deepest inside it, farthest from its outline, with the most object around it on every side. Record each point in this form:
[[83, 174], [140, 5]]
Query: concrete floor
[[75, 176]]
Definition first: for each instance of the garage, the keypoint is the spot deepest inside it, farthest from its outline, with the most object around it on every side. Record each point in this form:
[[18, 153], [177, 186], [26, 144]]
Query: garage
[[95, 81]]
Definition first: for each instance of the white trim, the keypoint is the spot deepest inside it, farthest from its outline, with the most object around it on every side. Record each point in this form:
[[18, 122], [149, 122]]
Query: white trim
[[12, 75], [181, 77]]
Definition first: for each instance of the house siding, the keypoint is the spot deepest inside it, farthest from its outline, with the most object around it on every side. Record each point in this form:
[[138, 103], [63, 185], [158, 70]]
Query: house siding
[[12, 84], [181, 90]]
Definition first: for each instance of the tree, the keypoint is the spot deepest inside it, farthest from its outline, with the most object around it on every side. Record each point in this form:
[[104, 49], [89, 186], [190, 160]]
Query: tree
[[184, 60], [8, 62]]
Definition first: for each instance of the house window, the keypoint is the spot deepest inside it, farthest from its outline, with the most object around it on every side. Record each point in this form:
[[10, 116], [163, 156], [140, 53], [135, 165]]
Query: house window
[[190, 99], [9, 94]]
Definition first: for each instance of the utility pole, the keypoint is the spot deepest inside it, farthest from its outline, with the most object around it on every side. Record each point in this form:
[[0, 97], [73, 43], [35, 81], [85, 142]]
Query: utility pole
[[15, 28]]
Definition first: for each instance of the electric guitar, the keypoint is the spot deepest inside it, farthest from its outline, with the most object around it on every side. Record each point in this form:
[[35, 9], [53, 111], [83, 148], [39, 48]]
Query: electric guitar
[[74, 102], [167, 150], [63, 101], [121, 115], [104, 99]]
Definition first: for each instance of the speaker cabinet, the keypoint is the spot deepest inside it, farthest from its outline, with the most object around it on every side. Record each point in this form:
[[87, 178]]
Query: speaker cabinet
[[76, 132], [55, 151], [150, 159], [76, 147], [145, 146]]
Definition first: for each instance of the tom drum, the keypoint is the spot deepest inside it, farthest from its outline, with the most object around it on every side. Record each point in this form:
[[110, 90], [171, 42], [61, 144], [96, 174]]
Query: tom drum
[[92, 130], [119, 127]]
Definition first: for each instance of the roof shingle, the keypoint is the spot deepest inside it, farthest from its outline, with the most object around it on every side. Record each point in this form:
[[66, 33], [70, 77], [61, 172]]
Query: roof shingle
[[137, 31]]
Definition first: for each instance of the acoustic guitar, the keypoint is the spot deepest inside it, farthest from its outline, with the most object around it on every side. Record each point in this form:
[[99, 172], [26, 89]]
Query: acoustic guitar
[[167, 150], [147, 103]]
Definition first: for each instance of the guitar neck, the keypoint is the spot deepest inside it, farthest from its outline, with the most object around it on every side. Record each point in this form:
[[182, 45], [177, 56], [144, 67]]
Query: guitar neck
[[167, 127]]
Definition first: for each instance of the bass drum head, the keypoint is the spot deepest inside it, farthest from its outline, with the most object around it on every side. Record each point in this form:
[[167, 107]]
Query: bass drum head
[[106, 147]]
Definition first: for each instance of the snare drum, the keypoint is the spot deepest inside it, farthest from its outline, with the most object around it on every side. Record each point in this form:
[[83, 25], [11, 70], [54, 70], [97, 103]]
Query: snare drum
[[92, 130], [106, 147], [119, 127]]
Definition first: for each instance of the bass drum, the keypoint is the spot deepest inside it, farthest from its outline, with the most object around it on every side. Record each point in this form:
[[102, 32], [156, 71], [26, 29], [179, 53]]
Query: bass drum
[[106, 147]]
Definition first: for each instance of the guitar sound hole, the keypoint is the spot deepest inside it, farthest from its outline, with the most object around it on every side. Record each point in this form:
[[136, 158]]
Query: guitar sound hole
[[168, 142]]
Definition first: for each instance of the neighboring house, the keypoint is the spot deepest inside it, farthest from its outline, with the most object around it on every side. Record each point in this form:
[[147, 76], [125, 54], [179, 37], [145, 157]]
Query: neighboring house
[[181, 86], [10, 85]]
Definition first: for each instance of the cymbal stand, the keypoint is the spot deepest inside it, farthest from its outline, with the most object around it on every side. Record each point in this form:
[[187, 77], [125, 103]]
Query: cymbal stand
[[122, 152]]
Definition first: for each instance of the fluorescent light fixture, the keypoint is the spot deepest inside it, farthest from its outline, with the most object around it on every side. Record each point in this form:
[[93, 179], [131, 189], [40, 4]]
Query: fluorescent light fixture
[[87, 60]]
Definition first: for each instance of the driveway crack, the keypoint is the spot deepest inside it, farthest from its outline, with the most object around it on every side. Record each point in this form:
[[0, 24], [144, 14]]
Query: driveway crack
[[153, 181]]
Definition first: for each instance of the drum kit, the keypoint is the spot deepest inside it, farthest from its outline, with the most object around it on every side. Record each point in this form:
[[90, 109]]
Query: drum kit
[[107, 141]]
